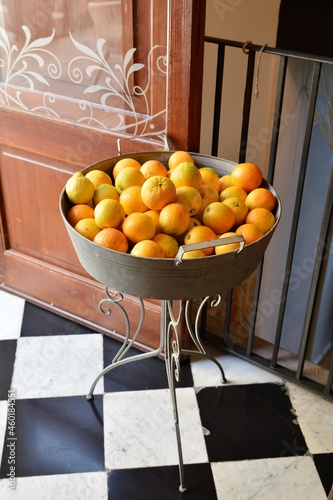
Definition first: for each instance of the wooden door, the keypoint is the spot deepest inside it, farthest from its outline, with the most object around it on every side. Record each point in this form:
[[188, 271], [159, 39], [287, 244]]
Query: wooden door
[[79, 79]]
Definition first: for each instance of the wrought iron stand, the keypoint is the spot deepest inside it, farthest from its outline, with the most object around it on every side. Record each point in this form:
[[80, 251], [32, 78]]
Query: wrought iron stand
[[169, 343]]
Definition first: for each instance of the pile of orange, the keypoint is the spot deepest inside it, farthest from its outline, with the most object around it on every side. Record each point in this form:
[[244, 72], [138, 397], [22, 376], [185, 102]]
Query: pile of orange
[[149, 210]]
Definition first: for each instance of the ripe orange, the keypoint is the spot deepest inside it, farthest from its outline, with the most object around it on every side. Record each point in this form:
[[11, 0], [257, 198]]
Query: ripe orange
[[199, 234], [247, 176], [229, 247], [105, 191], [78, 212], [168, 243], [131, 200], [262, 218], [232, 191], [79, 189], [128, 176], [190, 198], [194, 254], [98, 177], [193, 222], [208, 195], [174, 219], [109, 213], [148, 248], [239, 209], [155, 215], [260, 198], [250, 233], [158, 191], [186, 174], [138, 227], [112, 238], [225, 181], [87, 228], [123, 163], [179, 157], [153, 167], [219, 217], [210, 177]]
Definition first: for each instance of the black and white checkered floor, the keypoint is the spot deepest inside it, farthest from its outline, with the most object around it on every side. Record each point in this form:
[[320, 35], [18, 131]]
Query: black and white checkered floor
[[255, 437]]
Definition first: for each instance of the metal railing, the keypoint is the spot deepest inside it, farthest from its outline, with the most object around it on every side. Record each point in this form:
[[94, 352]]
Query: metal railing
[[272, 363]]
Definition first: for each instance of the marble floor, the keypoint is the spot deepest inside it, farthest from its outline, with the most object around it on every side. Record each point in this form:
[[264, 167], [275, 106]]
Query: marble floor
[[255, 437]]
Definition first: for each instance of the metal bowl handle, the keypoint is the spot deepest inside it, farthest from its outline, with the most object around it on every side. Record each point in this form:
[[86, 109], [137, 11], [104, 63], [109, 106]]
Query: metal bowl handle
[[207, 244]]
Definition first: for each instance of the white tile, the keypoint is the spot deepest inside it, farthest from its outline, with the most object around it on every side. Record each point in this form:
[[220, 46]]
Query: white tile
[[83, 486], [287, 478], [139, 429], [3, 424], [58, 365], [315, 417], [237, 371], [11, 314]]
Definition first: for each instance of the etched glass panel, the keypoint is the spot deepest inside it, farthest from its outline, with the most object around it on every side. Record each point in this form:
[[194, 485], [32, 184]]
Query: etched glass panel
[[100, 64]]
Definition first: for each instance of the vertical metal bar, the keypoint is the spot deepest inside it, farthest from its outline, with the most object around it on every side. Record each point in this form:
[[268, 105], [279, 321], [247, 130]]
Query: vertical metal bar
[[277, 118], [329, 382], [218, 98], [271, 168], [247, 105], [227, 319], [298, 200]]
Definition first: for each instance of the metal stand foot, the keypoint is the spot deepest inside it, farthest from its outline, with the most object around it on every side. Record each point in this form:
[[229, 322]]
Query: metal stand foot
[[169, 343]]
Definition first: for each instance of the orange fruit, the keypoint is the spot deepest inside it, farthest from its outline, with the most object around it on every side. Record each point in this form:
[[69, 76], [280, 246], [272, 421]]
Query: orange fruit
[[148, 248], [123, 163], [112, 238], [79, 189], [189, 197], [155, 215], [131, 200], [210, 177], [247, 176], [128, 176], [232, 191], [87, 228], [78, 212], [239, 209], [225, 181], [153, 167], [229, 247], [193, 254], [193, 222], [109, 213], [250, 233], [98, 177], [179, 157], [158, 191], [199, 234], [219, 217], [262, 218], [103, 192], [186, 174], [174, 219], [168, 243], [208, 195], [138, 227], [260, 198]]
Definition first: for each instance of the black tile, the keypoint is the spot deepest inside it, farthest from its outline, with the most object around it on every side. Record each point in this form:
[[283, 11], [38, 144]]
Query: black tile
[[40, 322], [142, 374], [56, 436], [162, 483], [7, 358], [249, 422], [324, 465]]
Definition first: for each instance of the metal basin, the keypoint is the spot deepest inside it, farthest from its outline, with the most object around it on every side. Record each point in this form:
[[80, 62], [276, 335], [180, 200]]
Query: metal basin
[[167, 278]]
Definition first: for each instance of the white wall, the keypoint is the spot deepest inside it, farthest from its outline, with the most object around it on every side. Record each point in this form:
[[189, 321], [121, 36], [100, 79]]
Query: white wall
[[240, 20]]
